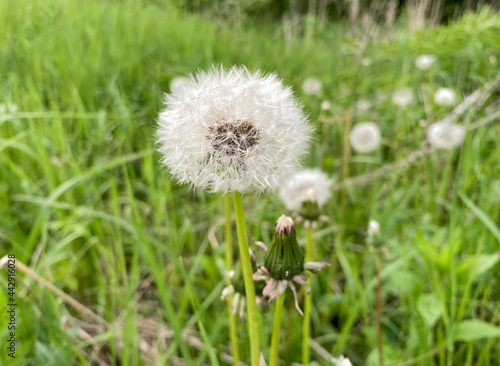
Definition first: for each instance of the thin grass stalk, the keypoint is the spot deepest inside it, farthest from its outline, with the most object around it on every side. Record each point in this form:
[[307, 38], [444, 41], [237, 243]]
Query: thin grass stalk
[[275, 337], [306, 321], [246, 267], [380, 345], [233, 335]]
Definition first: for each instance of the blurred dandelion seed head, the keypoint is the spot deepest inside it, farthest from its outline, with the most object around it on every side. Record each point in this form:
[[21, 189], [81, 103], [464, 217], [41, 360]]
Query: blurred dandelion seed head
[[425, 62], [445, 135], [312, 86], [402, 97], [232, 130], [326, 105], [365, 137], [302, 186], [444, 96]]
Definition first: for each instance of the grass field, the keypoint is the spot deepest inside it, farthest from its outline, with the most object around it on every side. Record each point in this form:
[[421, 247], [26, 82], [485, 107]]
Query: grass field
[[86, 206]]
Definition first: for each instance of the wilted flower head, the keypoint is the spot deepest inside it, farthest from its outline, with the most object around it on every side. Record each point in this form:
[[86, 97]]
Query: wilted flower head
[[306, 186], [365, 137], [445, 135], [444, 96], [312, 86], [402, 97], [232, 130], [424, 62], [284, 262], [179, 83]]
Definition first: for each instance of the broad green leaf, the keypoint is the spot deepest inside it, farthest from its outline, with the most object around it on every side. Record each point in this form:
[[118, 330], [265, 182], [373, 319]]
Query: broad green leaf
[[475, 266], [430, 308], [473, 330]]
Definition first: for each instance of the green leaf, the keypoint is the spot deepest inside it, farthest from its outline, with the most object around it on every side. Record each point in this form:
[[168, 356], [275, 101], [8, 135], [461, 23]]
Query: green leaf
[[430, 308], [485, 219], [473, 330], [477, 265]]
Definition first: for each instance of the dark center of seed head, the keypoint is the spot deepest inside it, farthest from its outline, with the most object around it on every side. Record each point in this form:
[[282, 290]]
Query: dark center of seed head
[[233, 138]]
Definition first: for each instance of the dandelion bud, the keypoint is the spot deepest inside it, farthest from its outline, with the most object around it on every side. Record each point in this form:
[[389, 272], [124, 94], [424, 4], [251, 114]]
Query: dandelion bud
[[365, 137], [402, 97], [444, 96], [425, 62], [284, 259], [306, 192], [444, 135], [312, 86], [230, 130]]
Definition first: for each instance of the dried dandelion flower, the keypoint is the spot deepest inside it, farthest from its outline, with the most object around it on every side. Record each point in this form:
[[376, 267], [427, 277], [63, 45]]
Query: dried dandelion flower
[[445, 135], [402, 97], [312, 86], [232, 130], [365, 137], [444, 96], [425, 62], [306, 192], [284, 263]]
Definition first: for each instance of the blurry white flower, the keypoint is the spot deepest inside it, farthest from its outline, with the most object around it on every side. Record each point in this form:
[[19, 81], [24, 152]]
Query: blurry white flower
[[444, 96], [444, 135], [365, 137], [232, 130], [312, 86], [402, 97], [326, 105], [342, 361], [366, 62], [362, 105], [179, 83], [425, 62], [302, 185], [373, 228]]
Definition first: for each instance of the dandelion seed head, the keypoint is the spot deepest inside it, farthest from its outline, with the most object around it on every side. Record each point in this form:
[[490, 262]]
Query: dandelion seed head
[[312, 86], [301, 184], [179, 83], [232, 130], [373, 228], [445, 135], [402, 97], [365, 137], [425, 62], [444, 96], [326, 105]]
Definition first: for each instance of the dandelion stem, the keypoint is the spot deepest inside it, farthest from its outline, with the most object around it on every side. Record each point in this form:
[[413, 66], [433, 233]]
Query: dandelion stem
[[229, 266], [378, 266], [275, 338], [306, 322], [246, 267]]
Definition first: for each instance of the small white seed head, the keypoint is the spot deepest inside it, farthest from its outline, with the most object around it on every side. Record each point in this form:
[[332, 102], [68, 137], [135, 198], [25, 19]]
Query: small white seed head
[[365, 137], [302, 186], [402, 97], [445, 135], [444, 96], [312, 86], [425, 62]]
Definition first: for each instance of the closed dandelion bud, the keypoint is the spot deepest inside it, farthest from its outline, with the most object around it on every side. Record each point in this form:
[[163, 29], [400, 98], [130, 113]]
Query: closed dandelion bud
[[285, 258]]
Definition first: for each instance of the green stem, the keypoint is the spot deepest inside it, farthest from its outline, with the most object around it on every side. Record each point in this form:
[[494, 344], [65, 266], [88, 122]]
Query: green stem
[[306, 322], [275, 338], [380, 344], [229, 266], [246, 267]]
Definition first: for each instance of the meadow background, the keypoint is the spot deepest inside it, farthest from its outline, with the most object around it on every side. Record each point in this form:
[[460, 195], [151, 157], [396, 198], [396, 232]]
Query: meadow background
[[125, 267]]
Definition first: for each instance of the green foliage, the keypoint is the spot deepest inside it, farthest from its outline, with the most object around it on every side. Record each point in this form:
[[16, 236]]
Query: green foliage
[[85, 203]]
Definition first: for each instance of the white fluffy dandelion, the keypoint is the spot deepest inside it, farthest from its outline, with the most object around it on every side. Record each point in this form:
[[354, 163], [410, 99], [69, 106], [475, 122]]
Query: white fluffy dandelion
[[312, 86], [232, 130], [402, 97], [445, 135], [365, 137], [179, 83], [444, 96], [302, 185], [425, 62]]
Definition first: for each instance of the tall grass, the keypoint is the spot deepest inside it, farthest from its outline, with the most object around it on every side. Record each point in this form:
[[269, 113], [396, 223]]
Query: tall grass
[[85, 203]]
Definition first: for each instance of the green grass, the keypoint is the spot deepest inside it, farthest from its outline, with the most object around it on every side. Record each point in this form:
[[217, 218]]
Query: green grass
[[85, 203]]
